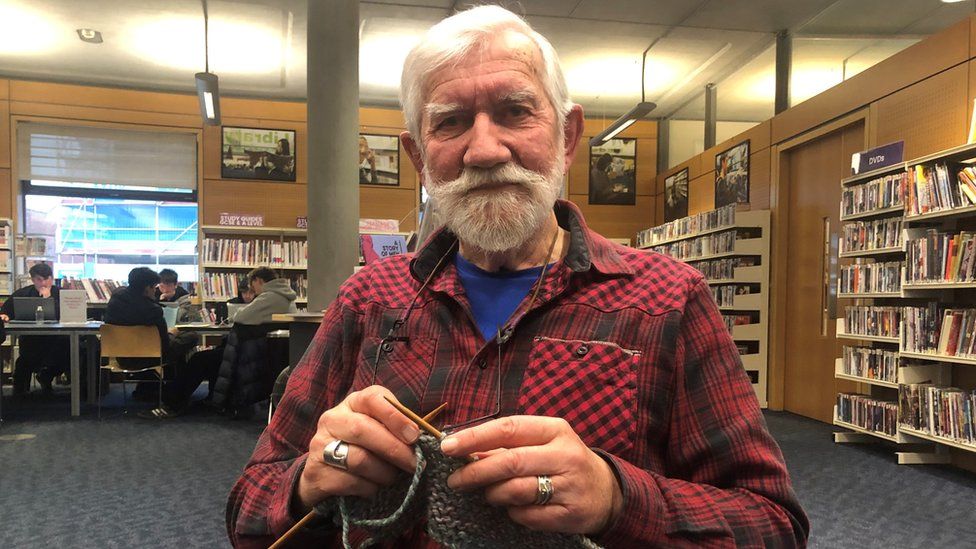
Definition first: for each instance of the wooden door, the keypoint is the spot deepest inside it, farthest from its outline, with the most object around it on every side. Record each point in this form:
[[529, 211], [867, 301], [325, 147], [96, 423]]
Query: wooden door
[[815, 169]]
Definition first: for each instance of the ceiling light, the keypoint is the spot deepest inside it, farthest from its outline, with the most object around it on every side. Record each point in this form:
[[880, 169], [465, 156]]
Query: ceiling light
[[207, 90], [26, 32], [638, 112], [952, 1], [91, 36]]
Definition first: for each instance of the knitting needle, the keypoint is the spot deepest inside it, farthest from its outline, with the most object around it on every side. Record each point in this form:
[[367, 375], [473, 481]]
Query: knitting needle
[[405, 411], [416, 419]]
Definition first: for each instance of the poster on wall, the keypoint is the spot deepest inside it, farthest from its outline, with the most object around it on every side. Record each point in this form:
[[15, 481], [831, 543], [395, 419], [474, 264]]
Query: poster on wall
[[379, 160], [732, 176], [257, 153], [613, 172], [676, 196]]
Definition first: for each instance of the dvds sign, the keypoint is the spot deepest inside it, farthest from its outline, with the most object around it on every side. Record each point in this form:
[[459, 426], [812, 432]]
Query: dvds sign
[[878, 158]]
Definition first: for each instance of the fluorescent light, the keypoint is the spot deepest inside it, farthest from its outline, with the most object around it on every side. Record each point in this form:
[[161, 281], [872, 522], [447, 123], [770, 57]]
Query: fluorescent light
[[91, 36], [640, 111], [209, 97]]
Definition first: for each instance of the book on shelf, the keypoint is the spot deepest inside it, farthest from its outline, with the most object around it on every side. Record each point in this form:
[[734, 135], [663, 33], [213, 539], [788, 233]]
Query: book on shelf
[[937, 329], [221, 285], [725, 295], [940, 257], [871, 320], [877, 234], [690, 225], [710, 244], [248, 252], [864, 277], [870, 363], [5, 235], [723, 269], [877, 194], [935, 187], [868, 413], [733, 320], [947, 412], [98, 291]]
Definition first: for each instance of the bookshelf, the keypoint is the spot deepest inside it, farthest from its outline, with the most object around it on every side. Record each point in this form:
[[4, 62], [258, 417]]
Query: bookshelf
[[228, 253], [7, 259], [731, 248], [935, 298]]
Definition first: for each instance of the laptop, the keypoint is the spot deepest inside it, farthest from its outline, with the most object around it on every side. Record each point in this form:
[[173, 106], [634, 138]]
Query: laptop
[[26, 307], [232, 309]]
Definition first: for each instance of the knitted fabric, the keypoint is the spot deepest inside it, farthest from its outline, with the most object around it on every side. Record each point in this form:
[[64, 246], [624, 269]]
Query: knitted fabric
[[454, 519]]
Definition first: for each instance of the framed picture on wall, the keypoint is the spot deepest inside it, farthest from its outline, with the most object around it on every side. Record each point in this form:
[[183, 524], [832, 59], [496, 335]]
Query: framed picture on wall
[[257, 153], [379, 160], [613, 172], [676, 196], [732, 176]]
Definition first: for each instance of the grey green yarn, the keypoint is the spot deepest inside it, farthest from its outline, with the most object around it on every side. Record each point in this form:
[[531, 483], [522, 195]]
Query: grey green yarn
[[454, 519]]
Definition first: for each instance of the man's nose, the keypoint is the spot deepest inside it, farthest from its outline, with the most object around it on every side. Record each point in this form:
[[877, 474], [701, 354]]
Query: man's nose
[[485, 149]]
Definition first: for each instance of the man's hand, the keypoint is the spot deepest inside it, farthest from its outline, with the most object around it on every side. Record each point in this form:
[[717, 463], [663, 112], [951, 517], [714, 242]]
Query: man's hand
[[4, 317], [514, 450], [379, 439]]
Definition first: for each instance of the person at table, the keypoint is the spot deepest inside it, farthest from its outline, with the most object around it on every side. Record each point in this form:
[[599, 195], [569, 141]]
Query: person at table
[[168, 290], [45, 355], [272, 295], [135, 305]]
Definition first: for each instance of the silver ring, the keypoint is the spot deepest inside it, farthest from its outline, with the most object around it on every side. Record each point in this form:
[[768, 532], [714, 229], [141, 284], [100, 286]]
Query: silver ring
[[336, 453], [545, 491]]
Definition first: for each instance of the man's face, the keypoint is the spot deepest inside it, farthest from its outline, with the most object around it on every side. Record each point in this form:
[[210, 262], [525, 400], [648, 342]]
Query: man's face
[[493, 157], [257, 286], [167, 287], [42, 283]]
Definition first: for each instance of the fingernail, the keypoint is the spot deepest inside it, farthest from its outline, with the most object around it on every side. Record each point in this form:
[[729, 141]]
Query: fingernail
[[448, 445], [410, 434], [451, 483]]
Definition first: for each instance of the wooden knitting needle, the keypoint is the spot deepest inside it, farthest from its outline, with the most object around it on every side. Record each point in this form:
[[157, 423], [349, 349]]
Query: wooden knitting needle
[[283, 540]]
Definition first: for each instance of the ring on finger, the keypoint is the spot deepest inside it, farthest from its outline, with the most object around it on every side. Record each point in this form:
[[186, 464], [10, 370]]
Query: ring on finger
[[544, 490], [336, 454]]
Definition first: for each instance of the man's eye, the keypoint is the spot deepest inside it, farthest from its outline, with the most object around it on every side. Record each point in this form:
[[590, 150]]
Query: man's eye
[[517, 111], [446, 123]]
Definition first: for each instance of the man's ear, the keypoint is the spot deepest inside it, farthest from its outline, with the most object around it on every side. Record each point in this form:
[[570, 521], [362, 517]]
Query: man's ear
[[572, 133], [413, 151]]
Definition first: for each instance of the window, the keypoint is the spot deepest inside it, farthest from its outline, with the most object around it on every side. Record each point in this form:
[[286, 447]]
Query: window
[[106, 237]]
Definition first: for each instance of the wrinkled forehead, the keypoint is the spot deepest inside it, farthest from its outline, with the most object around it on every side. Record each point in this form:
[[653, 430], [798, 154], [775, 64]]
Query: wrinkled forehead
[[510, 48]]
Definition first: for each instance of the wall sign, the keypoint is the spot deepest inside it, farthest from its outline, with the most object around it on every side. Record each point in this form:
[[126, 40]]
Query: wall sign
[[878, 158], [301, 222], [241, 220]]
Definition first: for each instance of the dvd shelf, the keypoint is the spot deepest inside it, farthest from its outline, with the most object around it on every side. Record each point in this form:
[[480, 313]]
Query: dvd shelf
[[731, 249], [932, 314]]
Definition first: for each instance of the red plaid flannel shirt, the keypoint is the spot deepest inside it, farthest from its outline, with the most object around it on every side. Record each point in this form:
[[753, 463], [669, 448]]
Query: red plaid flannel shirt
[[628, 346]]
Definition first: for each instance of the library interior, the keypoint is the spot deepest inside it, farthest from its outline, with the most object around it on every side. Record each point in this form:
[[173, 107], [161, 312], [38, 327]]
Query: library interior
[[593, 273]]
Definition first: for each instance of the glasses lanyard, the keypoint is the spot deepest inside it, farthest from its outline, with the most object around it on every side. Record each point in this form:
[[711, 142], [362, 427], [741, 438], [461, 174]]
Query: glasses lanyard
[[501, 335]]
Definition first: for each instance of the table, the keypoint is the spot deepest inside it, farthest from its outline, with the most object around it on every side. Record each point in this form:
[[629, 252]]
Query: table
[[73, 331], [302, 327], [204, 328]]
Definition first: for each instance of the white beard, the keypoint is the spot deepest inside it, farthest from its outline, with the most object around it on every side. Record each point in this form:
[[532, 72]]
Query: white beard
[[501, 219]]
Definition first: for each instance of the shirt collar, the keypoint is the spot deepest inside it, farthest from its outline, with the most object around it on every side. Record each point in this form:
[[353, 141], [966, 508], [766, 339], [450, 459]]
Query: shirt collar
[[586, 249]]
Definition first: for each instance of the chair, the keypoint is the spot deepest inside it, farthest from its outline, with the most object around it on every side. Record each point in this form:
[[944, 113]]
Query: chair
[[130, 342]]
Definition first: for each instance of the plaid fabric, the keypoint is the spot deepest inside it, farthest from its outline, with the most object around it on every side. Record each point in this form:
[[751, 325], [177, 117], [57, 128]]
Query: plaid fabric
[[628, 346]]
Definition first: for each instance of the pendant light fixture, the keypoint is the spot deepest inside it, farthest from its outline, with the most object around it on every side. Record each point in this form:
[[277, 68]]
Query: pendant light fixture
[[633, 115], [207, 82]]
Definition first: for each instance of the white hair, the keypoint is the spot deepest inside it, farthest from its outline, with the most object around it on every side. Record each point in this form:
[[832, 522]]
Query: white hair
[[455, 37]]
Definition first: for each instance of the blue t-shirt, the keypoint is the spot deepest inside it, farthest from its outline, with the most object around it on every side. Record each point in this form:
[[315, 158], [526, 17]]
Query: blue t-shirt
[[494, 296]]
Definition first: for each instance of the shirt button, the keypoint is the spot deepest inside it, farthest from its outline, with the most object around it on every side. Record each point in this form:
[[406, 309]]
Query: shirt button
[[387, 347], [582, 350], [482, 364]]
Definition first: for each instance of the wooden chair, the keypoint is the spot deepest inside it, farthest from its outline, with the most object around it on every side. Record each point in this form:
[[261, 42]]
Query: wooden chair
[[130, 342]]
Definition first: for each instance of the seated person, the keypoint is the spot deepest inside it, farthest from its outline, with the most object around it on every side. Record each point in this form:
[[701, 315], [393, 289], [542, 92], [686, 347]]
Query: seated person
[[47, 355], [168, 290], [239, 362], [135, 305]]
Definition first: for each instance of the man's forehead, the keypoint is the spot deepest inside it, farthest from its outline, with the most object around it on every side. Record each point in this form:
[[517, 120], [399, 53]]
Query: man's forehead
[[509, 52]]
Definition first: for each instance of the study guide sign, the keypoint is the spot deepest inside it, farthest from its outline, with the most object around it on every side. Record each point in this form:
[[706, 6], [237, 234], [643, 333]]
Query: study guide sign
[[240, 220]]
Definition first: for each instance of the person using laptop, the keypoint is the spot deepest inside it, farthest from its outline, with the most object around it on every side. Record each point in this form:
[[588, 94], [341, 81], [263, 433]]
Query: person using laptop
[[45, 355], [168, 291]]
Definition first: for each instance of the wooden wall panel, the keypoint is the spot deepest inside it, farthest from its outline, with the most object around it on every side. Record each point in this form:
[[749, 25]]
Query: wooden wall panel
[[701, 193], [760, 179], [4, 88], [389, 203], [233, 107], [98, 114], [4, 134], [6, 208], [658, 210], [279, 203], [934, 54], [106, 98], [929, 116], [617, 221]]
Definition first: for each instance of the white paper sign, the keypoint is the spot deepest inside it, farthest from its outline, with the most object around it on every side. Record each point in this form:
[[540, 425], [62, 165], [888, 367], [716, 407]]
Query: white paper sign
[[74, 306]]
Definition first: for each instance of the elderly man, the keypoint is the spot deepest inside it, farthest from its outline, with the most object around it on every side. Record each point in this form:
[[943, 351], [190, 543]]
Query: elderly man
[[597, 384]]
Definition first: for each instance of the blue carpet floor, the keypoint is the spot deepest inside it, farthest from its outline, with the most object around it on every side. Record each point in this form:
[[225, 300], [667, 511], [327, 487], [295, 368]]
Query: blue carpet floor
[[127, 482]]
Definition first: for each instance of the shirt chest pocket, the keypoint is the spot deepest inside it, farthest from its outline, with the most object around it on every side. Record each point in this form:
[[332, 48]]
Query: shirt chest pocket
[[590, 384], [401, 366]]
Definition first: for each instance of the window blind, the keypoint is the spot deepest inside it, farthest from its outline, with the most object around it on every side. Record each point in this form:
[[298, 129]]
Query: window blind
[[76, 154]]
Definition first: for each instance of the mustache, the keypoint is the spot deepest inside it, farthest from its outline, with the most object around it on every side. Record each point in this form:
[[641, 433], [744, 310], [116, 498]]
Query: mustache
[[472, 178]]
